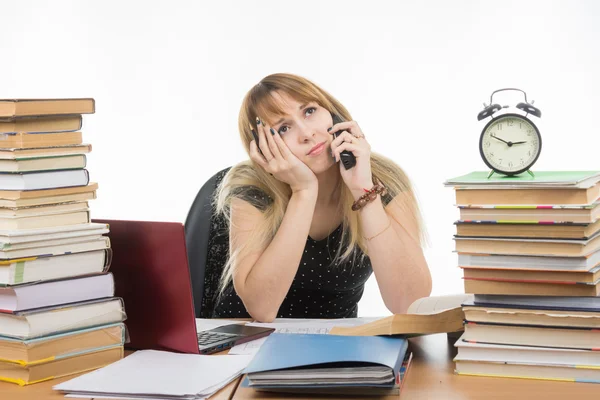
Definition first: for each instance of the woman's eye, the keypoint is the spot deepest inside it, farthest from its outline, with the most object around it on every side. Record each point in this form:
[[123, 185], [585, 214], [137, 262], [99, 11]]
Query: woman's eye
[[283, 128]]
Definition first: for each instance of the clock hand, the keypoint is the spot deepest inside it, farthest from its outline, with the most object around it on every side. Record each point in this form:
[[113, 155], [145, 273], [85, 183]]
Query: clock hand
[[496, 137], [519, 142]]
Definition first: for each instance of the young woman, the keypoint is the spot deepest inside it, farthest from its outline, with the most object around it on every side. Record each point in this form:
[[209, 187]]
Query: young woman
[[305, 233]]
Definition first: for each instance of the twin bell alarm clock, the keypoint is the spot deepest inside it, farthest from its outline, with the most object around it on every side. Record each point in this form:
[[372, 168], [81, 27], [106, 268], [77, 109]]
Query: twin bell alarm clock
[[510, 143]]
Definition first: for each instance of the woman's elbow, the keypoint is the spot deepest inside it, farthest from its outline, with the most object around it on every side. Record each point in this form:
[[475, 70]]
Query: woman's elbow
[[263, 315], [401, 303], [258, 308]]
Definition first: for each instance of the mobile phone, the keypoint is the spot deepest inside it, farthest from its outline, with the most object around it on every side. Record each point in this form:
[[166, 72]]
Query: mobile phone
[[346, 157]]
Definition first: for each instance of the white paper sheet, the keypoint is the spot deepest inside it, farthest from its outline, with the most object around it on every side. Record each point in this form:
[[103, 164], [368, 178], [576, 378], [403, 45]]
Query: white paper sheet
[[292, 326], [159, 374], [248, 348], [80, 396]]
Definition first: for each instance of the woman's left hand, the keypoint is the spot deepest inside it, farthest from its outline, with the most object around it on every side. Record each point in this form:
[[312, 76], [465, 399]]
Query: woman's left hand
[[352, 139]]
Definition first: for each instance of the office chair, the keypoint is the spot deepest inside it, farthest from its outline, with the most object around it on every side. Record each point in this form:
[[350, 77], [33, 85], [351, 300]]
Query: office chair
[[206, 237]]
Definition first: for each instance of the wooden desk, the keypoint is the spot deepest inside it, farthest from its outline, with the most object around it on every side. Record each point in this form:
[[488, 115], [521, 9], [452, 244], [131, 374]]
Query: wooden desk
[[431, 376]]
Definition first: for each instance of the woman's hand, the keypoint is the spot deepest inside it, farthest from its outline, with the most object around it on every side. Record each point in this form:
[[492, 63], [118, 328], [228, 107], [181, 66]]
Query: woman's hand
[[278, 160], [352, 139]]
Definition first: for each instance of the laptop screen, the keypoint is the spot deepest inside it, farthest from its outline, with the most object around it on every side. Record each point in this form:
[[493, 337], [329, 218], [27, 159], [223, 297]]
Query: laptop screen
[[151, 274]]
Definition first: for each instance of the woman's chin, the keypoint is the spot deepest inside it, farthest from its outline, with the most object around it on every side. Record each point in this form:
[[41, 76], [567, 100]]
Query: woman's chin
[[320, 167]]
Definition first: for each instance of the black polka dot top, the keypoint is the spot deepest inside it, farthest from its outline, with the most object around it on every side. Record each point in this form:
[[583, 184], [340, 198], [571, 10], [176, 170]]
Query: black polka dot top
[[322, 288]]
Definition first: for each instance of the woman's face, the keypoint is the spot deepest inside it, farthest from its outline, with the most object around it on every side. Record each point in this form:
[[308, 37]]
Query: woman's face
[[303, 128]]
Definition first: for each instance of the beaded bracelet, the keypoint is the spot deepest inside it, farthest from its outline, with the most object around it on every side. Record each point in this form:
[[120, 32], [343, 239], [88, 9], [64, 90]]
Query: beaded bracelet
[[370, 195]]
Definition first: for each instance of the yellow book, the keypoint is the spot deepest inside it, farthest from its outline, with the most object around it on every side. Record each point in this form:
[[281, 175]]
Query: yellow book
[[550, 372], [29, 374], [49, 348], [35, 194], [61, 123], [57, 151], [30, 140]]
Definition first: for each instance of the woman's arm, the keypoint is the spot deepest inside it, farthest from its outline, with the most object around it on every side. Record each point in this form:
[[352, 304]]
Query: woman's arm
[[393, 245], [262, 279], [395, 252]]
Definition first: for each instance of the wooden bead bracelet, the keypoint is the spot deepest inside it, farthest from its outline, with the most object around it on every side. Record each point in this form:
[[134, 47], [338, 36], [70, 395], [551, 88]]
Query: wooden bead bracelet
[[369, 196]]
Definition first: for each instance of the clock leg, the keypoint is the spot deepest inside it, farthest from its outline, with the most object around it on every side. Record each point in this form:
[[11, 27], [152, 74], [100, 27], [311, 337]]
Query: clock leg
[[490, 174], [530, 173]]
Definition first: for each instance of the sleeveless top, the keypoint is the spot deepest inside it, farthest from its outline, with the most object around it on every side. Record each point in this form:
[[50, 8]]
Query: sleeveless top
[[320, 289]]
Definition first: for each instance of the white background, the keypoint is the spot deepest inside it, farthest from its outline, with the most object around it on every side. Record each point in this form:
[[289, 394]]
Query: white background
[[169, 76]]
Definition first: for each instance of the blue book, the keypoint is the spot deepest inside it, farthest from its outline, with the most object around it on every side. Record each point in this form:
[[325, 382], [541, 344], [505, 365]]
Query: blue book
[[327, 361]]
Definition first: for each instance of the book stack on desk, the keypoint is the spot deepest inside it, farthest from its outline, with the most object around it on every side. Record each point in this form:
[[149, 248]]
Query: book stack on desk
[[58, 315], [529, 248]]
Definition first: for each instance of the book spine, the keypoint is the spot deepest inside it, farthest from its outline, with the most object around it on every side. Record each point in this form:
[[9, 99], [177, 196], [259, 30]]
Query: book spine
[[8, 109]]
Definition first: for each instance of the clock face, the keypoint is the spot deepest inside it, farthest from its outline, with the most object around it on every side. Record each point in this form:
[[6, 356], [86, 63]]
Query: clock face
[[510, 144]]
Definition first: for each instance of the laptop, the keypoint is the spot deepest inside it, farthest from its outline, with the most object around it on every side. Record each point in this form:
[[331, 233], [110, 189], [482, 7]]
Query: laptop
[[151, 273]]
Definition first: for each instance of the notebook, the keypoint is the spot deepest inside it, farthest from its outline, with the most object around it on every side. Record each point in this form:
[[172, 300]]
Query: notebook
[[327, 361]]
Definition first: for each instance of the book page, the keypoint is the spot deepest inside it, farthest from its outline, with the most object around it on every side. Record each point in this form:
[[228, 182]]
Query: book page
[[247, 349], [437, 304], [297, 326], [311, 326]]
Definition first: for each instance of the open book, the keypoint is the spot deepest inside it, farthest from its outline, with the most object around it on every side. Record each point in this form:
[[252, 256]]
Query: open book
[[427, 315]]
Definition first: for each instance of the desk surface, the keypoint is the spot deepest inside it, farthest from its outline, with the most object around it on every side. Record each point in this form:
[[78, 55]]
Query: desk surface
[[430, 376]]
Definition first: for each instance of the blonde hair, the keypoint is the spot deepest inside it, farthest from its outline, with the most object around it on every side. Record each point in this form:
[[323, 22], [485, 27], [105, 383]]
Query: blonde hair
[[260, 102]]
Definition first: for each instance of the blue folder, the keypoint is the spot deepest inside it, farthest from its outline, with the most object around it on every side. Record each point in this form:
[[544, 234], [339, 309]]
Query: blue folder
[[285, 351]]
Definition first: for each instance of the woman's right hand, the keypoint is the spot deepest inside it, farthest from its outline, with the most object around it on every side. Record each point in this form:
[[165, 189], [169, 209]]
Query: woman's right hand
[[278, 160]]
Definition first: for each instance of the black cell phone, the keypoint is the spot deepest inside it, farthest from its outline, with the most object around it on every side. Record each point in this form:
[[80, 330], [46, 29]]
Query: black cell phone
[[346, 157]]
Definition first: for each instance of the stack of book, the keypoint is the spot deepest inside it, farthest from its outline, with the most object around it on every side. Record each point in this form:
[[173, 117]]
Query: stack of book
[[58, 315], [529, 248]]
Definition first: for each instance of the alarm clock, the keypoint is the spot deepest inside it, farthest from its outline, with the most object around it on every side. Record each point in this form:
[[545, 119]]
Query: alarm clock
[[510, 143]]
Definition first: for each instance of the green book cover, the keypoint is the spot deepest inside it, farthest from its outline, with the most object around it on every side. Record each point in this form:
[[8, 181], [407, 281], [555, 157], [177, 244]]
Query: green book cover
[[540, 178]]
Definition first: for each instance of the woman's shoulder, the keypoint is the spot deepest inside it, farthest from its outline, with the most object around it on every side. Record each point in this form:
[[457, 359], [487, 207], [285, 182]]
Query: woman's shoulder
[[253, 195], [241, 182]]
